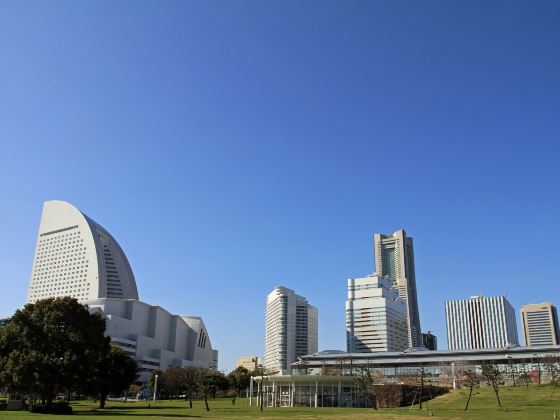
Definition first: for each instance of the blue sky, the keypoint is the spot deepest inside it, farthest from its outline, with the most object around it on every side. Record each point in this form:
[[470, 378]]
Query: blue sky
[[232, 146]]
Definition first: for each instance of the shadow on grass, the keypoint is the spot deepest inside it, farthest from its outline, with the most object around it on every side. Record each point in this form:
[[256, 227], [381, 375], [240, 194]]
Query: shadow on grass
[[110, 412]]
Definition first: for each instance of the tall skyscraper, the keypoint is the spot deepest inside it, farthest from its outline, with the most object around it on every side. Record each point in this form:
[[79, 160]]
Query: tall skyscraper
[[76, 257], [394, 257], [540, 324], [480, 323], [291, 329], [375, 316]]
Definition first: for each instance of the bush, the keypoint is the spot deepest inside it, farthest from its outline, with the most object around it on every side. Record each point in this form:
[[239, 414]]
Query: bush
[[55, 408], [3, 404]]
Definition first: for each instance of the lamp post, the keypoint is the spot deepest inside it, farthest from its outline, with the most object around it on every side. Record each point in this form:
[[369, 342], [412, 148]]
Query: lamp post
[[155, 388]]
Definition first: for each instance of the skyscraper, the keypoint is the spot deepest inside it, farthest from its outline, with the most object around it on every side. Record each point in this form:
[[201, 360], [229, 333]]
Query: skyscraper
[[290, 330], [480, 323], [394, 257], [375, 316], [540, 324], [76, 257]]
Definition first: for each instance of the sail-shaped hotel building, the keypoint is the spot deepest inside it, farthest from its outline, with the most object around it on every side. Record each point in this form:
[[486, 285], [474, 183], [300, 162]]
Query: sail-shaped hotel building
[[76, 257]]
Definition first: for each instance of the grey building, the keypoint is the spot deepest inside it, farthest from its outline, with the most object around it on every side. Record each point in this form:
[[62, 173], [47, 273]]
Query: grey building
[[429, 340], [540, 324], [394, 257]]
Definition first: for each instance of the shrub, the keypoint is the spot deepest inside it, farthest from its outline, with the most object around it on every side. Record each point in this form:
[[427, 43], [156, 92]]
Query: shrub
[[55, 408]]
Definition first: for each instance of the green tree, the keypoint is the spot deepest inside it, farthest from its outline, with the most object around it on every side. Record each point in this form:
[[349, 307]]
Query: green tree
[[190, 382], [173, 379], [50, 346], [115, 373], [238, 380]]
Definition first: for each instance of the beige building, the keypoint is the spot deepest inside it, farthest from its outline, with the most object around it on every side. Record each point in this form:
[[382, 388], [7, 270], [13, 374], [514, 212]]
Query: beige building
[[249, 362], [540, 324], [394, 257]]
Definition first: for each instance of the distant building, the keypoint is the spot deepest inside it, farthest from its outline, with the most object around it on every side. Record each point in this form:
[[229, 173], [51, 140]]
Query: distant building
[[394, 257], [76, 257], [375, 316], [4, 322], [429, 340], [540, 324], [290, 330], [480, 323], [249, 362]]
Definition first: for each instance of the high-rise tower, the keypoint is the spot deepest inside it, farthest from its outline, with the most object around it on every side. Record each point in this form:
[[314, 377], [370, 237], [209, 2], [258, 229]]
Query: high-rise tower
[[394, 257], [290, 330]]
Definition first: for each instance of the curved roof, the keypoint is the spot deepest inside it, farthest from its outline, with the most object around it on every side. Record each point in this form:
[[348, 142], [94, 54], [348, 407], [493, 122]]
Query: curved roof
[[75, 256]]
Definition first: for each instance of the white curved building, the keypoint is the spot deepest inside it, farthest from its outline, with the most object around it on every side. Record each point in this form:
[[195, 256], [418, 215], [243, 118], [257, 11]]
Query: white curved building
[[76, 257]]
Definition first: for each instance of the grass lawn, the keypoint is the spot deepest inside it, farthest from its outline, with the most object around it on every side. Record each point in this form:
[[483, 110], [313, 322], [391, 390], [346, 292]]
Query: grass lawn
[[533, 403]]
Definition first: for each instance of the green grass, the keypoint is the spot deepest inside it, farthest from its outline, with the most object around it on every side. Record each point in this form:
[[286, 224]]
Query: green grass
[[533, 403]]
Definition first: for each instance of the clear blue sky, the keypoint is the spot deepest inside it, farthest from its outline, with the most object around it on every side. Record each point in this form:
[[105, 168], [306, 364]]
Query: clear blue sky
[[232, 146]]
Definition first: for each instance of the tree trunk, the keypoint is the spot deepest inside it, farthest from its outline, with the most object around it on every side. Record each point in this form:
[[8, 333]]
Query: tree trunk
[[468, 400], [102, 398], [498, 398], [206, 401], [190, 398]]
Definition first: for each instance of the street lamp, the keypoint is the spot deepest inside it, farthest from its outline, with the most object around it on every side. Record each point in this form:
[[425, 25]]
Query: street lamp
[[155, 388]]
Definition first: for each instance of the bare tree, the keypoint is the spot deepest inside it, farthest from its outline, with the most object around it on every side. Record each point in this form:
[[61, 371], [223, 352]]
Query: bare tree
[[364, 383], [470, 380], [303, 367], [492, 375]]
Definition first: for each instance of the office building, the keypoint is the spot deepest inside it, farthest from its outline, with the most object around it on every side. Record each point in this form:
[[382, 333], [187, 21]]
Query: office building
[[394, 257], [480, 323], [540, 324], [429, 340], [375, 316], [76, 257], [290, 330], [248, 362]]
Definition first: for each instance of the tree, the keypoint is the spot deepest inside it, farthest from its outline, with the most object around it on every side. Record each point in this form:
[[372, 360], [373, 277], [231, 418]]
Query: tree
[[262, 373], [302, 367], [364, 383], [115, 373], [190, 382], [471, 380], [217, 381], [550, 366], [238, 380], [50, 346], [174, 382], [205, 385], [492, 375]]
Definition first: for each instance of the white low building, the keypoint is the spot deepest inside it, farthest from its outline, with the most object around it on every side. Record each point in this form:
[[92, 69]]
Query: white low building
[[76, 257], [156, 338]]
